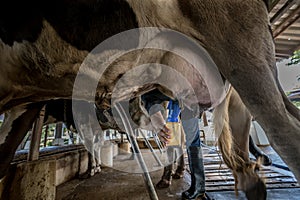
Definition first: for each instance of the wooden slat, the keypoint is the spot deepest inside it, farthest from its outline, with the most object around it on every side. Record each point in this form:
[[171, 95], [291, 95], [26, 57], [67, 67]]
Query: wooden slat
[[219, 177], [214, 188]]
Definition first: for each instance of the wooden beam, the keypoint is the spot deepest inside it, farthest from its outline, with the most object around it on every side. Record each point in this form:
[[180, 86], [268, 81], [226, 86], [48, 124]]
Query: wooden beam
[[271, 4], [295, 28], [297, 48], [285, 47], [283, 52], [33, 153], [281, 41], [204, 119], [282, 10], [296, 25], [289, 37], [46, 135], [288, 33], [282, 55], [58, 130], [294, 16]]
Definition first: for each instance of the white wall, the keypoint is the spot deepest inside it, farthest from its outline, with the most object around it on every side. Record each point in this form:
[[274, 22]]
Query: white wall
[[288, 75]]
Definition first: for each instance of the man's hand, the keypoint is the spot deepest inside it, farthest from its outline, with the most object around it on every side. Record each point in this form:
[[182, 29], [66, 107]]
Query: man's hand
[[164, 135], [159, 124]]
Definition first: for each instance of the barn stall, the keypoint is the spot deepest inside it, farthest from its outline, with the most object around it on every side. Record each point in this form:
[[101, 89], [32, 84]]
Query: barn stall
[[59, 172]]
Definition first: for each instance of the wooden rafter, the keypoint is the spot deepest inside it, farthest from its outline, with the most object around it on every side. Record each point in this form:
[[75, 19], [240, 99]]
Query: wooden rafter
[[285, 23]]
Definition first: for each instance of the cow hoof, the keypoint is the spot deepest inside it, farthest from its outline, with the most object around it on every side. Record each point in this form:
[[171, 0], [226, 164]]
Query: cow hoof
[[162, 184], [92, 173], [266, 161], [98, 169], [257, 192]]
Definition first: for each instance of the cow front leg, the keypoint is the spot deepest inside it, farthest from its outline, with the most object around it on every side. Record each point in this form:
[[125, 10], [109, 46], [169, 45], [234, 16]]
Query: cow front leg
[[15, 126], [92, 164], [100, 144], [84, 122], [87, 135], [93, 145], [97, 153]]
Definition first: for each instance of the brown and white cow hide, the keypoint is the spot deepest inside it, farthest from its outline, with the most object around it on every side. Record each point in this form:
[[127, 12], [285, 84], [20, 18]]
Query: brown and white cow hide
[[40, 55]]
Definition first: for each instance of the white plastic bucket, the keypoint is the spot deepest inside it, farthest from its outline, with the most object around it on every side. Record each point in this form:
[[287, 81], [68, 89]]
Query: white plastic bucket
[[107, 153]]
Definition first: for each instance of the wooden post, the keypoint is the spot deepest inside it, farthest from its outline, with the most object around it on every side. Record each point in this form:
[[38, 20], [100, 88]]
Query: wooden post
[[58, 130], [58, 141], [204, 118], [24, 141], [36, 137], [122, 137], [46, 135]]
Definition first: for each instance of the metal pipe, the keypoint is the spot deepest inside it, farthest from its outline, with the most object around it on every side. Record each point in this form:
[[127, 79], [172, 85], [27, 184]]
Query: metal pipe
[[157, 141], [151, 149], [137, 152]]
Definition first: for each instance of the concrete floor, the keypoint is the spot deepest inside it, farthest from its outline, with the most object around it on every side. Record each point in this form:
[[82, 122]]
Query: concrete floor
[[124, 182], [112, 184]]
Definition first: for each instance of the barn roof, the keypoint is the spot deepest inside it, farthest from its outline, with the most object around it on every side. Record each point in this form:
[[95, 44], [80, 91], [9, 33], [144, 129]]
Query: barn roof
[[285, 23]]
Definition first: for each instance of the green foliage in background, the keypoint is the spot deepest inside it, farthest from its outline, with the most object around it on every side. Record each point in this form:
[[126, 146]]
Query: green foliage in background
[[297, 104], [295, 59]]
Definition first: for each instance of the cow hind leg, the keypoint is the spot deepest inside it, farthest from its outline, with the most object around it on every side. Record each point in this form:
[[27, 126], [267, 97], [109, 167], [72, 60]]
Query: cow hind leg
[[15, 126], [86, 123], [245, 56], [97, 154], [90, 146], [93, 147], [273, 112], [254, 78], [92, 164], [232, 120]]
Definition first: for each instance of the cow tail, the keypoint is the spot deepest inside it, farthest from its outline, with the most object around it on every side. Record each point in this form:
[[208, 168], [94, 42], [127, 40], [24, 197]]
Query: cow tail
[[225, 139]]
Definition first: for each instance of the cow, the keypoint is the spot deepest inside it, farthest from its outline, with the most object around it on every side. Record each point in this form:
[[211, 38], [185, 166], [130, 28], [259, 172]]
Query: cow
[[61, 111], [42, 51], [91, 135]]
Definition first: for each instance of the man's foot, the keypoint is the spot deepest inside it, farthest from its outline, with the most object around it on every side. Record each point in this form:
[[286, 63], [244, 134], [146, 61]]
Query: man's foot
[[266, 160]]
